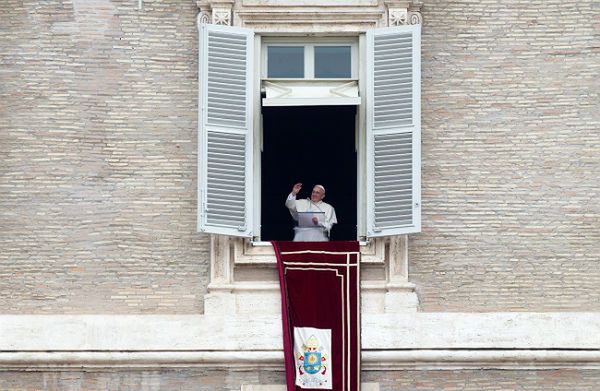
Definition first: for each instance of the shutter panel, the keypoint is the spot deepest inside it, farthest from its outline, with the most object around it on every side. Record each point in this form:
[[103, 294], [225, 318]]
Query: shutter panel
[[393, 131], [225, 130]]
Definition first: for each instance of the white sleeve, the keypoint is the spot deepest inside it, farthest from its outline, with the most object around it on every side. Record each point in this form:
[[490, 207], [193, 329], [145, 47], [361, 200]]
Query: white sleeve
[[330, 219], [290, 202]]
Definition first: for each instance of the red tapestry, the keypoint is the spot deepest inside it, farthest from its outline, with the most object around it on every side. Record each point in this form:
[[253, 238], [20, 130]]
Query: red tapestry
[[320, 307]]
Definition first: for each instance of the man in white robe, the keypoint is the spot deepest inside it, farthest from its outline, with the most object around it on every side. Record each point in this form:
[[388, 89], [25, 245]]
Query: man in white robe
[[320, 231]]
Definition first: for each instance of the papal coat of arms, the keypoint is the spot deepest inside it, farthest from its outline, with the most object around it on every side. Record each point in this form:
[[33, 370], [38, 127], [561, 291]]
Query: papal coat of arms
[[312, 357]]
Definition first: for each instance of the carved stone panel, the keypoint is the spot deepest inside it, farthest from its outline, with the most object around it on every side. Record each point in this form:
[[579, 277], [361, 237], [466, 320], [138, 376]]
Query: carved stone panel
[[397, 16], [221, 16]]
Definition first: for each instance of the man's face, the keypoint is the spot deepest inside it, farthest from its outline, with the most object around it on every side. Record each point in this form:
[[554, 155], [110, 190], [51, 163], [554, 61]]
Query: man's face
[[317, 194]]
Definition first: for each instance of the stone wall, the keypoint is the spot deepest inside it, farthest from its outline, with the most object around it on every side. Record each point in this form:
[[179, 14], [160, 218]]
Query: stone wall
[[220, 380], [487, 380], [98, 145], [145, 380], [98, 114], [511, 155]]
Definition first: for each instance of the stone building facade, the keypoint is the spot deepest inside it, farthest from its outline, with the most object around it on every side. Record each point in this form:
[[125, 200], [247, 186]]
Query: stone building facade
[[106, 283]]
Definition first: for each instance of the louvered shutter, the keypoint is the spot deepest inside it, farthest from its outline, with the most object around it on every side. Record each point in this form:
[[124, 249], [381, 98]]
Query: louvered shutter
[[393, 131], [225, 130]]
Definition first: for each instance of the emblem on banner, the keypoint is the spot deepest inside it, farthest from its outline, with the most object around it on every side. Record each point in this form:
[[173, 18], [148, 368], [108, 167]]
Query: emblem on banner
[[312, 362], [312, 347]]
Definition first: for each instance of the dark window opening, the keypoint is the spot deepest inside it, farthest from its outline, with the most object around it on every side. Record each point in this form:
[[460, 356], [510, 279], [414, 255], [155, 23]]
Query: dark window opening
[[308, 144]]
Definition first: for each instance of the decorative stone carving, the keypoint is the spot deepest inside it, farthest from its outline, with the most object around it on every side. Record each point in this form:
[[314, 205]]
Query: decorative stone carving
[[397, 16], [221, 16], [403, 12], [215, 11], [203, 17], [415, 17]]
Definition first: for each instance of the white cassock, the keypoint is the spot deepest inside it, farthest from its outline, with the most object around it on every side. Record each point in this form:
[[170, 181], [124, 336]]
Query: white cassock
[[311, 234]]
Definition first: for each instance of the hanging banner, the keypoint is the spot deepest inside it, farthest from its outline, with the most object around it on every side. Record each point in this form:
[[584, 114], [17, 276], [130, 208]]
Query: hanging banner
[[320, 308]]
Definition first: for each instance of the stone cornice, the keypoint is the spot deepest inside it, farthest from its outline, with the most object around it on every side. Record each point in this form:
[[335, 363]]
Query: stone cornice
[[256, 332], [311, 16], [389, 342], [416, 359]]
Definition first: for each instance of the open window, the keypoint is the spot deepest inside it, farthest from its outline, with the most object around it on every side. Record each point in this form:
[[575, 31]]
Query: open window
[[385, 190], [308, 144]]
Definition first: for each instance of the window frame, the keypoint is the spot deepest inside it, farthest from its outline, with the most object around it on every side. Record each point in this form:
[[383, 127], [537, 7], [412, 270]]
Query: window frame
[[309, 43], [358, 59]]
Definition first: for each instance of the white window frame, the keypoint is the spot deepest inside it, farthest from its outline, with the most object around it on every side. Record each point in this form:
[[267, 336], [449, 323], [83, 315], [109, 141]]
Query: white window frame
[[309, 55], [359, 45], [358, 66]]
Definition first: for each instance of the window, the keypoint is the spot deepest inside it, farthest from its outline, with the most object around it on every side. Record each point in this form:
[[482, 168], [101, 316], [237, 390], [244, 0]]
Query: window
[[323, 151], [333, 62], [323, 59], [285, 61], [387, 131]]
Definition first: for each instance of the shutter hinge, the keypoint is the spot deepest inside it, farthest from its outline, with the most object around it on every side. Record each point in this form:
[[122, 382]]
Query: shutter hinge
[[202, 210]]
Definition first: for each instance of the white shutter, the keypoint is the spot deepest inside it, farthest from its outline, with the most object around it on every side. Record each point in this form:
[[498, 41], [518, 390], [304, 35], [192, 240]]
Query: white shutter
[[393, 130], [225, 130]]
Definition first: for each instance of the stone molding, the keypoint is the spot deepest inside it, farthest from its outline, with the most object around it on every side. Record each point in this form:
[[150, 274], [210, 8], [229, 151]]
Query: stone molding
[[243, 277], [282, 387], [389, 342], [419, 359], [310, 16], [256, 332]]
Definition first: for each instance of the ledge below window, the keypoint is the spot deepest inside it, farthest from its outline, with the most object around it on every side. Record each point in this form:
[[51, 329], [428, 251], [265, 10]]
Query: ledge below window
[[244, 277]]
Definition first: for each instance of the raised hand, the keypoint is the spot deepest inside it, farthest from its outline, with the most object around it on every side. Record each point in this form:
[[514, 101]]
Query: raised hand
[[296, 188]]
